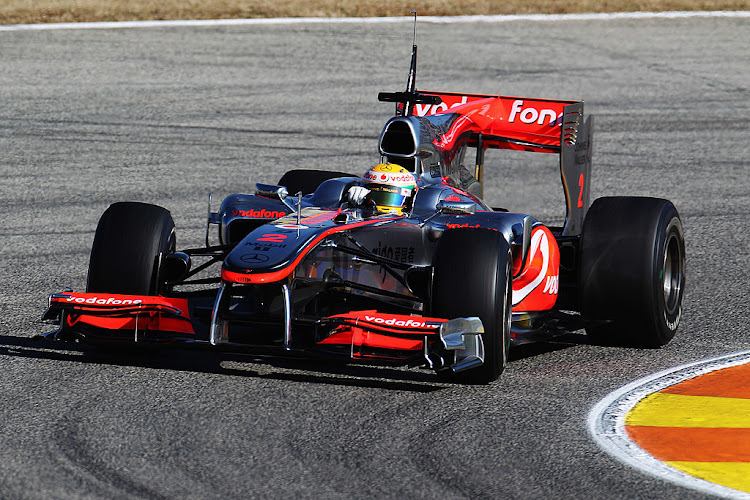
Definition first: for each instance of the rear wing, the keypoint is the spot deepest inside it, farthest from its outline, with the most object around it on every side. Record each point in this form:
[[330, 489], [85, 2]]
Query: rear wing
[[432, 131]]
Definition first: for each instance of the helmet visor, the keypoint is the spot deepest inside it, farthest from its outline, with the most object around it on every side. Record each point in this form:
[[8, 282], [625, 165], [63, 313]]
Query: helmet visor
[[388, 196]]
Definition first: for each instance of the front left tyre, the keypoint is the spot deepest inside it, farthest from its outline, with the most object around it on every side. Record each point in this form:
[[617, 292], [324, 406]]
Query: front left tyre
[[307, 181]]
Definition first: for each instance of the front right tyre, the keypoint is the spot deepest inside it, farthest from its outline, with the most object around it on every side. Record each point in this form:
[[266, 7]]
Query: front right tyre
[[472, 277], [130, 243]]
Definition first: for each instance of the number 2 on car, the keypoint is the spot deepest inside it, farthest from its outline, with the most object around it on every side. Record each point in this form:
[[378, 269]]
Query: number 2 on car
[[275, 237]]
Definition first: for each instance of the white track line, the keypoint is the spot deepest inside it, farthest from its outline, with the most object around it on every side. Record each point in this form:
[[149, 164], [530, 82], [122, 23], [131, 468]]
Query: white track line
[[606, 422], [335, 20]]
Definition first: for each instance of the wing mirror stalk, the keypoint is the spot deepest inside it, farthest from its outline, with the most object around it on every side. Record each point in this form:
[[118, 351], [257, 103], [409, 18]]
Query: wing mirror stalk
[[278, 193]]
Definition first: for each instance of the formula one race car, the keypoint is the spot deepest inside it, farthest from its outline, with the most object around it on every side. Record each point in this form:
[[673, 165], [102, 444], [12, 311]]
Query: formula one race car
[[445, 282]]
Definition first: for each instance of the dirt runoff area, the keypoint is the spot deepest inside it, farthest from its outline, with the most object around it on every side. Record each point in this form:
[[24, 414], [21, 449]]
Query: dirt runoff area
[[57, 11]]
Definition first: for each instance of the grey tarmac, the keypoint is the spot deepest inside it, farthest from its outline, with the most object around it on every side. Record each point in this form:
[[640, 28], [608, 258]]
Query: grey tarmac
[[167, 115]]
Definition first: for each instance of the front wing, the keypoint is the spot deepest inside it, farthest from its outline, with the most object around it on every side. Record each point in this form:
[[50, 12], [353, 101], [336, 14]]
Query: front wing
[[368, 336]]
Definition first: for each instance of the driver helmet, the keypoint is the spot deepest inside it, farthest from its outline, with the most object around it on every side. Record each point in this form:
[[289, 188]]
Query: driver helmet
[[391, 187]]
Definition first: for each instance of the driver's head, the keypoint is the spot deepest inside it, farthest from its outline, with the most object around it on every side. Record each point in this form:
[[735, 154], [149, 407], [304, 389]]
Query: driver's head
[[391, 187]]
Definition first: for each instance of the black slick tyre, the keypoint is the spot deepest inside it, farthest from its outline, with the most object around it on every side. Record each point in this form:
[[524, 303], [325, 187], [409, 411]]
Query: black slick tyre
[[307, 181], [472, 277], [632, 272], [130, 242]]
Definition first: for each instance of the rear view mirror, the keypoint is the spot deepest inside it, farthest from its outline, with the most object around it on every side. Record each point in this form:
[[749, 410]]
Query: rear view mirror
[[457, 207], [271, 191]]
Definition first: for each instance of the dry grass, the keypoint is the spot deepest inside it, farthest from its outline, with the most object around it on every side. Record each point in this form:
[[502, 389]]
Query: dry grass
[[53, 11]]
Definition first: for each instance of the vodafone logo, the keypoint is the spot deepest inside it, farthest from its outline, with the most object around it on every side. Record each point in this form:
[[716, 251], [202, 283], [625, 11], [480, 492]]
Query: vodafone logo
[[552, 285], [457, 226], [435, 109], [259, 214], [409, 323], [110, 301], [533, 115], [528, 114], [386, 178], [402, 178]]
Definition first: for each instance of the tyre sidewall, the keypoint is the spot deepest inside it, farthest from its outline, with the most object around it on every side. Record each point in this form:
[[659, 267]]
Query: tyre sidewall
[[666, 319]]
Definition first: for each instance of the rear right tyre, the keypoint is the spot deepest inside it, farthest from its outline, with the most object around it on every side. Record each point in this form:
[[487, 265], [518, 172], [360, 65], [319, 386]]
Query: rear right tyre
[[632, 272]]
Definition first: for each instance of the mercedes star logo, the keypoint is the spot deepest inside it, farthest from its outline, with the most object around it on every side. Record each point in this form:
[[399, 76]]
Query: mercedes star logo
[[254, 258]]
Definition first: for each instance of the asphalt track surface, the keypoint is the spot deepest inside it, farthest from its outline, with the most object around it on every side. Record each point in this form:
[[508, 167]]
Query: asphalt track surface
[[166, 115]]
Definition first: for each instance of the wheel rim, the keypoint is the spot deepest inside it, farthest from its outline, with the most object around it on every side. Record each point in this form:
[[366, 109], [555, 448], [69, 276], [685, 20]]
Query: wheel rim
[[673, 273]]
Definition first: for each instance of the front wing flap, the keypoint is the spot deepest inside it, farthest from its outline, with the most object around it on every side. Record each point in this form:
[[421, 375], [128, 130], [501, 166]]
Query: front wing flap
[[123, 317]]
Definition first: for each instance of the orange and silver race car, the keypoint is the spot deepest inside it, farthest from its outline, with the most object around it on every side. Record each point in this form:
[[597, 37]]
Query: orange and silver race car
[[446, 283]]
